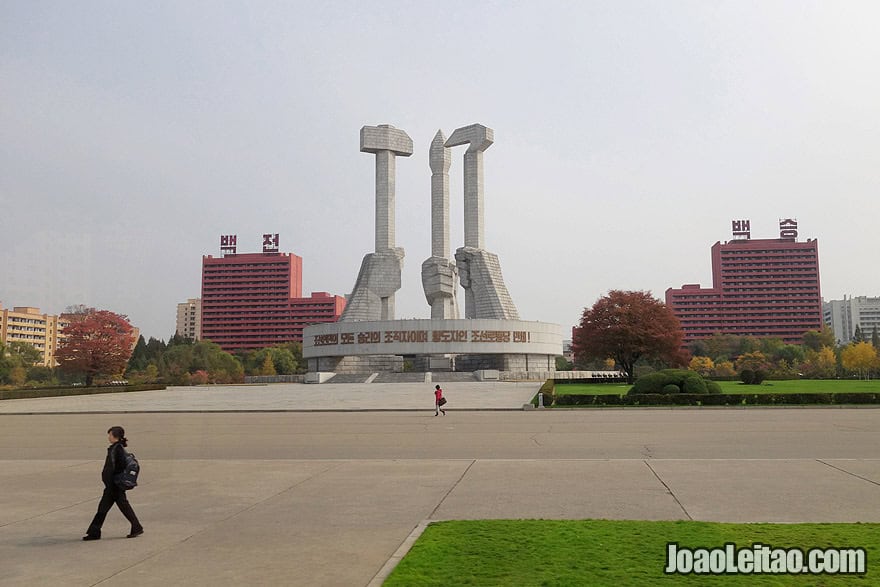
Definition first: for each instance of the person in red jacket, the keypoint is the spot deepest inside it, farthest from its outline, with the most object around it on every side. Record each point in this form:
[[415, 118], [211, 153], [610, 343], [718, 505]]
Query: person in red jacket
[[439, 400]]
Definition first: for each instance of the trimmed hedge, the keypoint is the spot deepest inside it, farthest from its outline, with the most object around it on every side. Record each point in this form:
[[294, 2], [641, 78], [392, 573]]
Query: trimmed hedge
[[64, 391], [669, 381], [719, 399]]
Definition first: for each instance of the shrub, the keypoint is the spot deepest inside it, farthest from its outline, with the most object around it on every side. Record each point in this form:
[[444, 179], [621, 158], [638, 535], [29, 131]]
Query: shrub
[[694, 384], [39, 373], [200, 377], [713, 387], [747, 376], [760, 376], [662, 382], [650, 383]]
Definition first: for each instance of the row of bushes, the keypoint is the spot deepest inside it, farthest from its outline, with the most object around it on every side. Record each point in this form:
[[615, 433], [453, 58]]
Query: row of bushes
[[78, 390], [673, 381], [715, 399]]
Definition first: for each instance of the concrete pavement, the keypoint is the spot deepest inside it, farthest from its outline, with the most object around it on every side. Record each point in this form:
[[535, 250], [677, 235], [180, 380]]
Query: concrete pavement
[[287, 397], [327, 498]]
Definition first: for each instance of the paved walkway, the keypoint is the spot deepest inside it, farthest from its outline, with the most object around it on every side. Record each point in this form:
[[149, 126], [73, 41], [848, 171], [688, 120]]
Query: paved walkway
[[294, 498], [287, 397]]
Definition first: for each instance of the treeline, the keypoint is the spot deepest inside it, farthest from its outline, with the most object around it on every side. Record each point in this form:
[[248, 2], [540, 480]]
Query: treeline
[[182, 361], [20, 363], [178, 362], [753, 360]]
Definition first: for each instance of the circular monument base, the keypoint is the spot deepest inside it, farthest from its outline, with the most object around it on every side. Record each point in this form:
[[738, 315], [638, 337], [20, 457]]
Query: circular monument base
[[432, 345]]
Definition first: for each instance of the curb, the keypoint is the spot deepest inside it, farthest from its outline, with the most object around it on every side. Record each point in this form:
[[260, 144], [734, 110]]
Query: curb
[[398, 555]]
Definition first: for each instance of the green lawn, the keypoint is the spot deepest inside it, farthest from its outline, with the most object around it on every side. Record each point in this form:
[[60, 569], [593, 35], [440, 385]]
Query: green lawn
[[792, 386], [804, 386], [592, 388], [602, 552]]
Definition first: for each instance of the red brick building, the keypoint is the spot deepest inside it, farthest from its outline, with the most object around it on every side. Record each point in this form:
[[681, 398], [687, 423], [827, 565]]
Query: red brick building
[[760, 287], [254, 300]]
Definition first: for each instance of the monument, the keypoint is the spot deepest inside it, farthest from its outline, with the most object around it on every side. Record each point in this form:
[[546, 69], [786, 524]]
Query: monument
[[490, 337], [373, 295]]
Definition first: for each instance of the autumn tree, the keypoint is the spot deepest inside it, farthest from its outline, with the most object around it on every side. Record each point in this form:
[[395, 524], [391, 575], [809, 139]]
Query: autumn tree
[[95, 343], [268, 367], [753, 367], [860, 357], [821, 364], [702, 365], [724, 369], [628, 326]]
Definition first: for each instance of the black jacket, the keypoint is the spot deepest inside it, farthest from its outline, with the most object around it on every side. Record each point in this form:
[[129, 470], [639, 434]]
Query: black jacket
[[114, 463]]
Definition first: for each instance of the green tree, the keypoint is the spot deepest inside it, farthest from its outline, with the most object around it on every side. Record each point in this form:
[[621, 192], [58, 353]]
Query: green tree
[[27, 355], [563, 364], [771, 347], [17, 376], [858, 336], [183, 359], [723, 347], [40, 373], [793, 354], [816, 339], [151, 373], [140, 356], [627, 326], [7, 363]]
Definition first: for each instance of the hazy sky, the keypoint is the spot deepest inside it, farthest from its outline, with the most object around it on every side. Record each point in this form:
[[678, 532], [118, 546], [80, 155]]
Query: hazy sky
[[628, 135]]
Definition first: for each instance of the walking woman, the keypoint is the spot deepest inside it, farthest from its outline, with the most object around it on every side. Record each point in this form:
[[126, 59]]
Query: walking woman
[[439, 401], [113, 464]]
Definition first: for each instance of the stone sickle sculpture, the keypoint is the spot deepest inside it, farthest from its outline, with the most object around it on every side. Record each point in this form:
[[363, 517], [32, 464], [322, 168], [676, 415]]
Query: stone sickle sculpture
[[486, 295]]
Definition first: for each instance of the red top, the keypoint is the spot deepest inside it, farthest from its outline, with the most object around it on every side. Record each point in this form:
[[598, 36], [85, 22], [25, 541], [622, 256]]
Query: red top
[[438, 393]]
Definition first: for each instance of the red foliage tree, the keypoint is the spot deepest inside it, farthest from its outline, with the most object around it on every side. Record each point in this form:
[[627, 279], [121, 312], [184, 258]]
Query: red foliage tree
[[626, 326], [96, 342]]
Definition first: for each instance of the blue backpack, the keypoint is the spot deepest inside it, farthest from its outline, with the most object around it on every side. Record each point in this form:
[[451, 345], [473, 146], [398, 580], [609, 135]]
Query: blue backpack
[[128, 478]]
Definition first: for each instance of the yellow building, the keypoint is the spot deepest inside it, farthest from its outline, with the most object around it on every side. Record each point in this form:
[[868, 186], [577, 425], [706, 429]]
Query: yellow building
[[26, 324]]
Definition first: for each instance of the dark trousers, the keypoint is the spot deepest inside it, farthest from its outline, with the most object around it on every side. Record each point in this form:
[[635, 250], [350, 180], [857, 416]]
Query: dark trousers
[[113, 494]]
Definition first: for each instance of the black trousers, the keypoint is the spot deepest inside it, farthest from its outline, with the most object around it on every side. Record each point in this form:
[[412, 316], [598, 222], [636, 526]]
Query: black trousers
[[113, 494]]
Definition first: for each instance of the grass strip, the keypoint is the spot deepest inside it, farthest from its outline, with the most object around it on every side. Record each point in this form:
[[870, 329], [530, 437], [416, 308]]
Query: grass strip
[[736, 387], [610, 552]]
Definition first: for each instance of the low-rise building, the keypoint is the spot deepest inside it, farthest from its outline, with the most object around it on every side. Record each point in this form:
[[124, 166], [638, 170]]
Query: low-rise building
[[27, 324]]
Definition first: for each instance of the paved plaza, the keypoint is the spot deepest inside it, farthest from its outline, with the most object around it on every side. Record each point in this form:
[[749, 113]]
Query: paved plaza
[[299, 498], [286, 397]]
